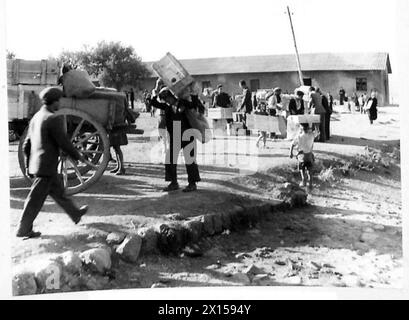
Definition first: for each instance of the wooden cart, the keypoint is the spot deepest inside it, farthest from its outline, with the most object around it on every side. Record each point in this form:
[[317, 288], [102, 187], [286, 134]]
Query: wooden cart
[[87, 123]]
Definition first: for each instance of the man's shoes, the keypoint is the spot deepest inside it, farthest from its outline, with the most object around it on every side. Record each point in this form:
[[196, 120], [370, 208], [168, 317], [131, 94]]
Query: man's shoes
[[191, 187], [172, 187], [83, 210], [29, 235]]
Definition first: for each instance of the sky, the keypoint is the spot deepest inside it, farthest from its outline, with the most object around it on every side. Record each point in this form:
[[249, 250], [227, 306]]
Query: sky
[[198, 29]]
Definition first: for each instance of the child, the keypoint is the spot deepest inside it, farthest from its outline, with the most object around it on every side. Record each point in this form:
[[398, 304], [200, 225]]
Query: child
[[261, 110], [305, 143]]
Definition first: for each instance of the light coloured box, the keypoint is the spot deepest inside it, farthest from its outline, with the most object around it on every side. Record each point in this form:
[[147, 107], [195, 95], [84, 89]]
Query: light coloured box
[[306, 118], [173, 74], [262, 123], [220, 113]]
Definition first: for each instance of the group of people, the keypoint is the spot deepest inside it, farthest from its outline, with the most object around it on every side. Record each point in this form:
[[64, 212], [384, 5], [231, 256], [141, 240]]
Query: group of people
[[362, 103]]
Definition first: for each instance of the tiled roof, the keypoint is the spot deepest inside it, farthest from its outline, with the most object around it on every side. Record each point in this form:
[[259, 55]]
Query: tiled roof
[[287, 62]]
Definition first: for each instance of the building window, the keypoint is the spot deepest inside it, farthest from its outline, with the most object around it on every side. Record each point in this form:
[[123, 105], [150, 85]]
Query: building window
[[254, 85], [205, 85], [307, 82], [361, 84]]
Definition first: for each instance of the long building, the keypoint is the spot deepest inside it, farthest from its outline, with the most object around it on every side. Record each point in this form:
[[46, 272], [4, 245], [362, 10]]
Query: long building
[[355, 72]]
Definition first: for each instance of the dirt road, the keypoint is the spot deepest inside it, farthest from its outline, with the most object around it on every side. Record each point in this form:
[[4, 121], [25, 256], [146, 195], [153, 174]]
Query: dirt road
[[349, 235]]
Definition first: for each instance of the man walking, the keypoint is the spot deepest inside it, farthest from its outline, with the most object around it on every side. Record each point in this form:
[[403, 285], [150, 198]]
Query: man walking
[[45, 138]]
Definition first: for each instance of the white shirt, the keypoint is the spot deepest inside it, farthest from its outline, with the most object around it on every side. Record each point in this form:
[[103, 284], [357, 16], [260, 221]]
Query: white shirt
[[304, 141]]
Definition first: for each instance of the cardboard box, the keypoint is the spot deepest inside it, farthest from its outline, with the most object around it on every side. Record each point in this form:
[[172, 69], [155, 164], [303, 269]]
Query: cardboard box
[[220, 113], [173, 74], [263, 123], [306, 118]]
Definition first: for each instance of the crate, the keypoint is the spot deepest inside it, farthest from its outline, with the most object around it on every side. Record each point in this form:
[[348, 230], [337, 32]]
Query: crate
[[220, 113], [262, 123], [173, 74], [306, 118]]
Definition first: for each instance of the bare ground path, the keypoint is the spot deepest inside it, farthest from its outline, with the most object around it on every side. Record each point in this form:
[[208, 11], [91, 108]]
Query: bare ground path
[[329, 232]]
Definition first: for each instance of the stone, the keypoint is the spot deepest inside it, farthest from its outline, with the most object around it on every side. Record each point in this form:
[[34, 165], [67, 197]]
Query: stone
[[240, 278], [192, 251], [194, 230], [172, 238], [379, 227], [130, 248], [24, 283], [368, 237], [217, 223], [159, 285], [115, 238], [48, 275], [368, 230], [97, 259], [70, 261], [208, 224], [280, 263], [298, 199], [149, 240], [252, 270]]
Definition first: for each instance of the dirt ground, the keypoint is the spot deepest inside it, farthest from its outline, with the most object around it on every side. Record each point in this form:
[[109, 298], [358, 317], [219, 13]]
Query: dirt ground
[[349, 235]]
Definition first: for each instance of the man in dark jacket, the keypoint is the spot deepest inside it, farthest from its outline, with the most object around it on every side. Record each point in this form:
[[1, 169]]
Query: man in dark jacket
[[246, 105], [328, 111], [315, 103], [221, 99], [296, 105], [45, 138], [176, 125]]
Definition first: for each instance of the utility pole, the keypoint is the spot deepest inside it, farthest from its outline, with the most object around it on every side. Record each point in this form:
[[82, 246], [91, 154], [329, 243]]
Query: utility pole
[[296, 50]]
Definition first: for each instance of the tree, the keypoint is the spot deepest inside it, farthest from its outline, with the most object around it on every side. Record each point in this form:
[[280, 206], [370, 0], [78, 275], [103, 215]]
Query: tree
[[10, 54], [117, 65], [114, 64]]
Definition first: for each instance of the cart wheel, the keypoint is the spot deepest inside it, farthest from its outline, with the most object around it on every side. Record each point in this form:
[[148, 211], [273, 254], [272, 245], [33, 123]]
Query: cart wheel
[[91, 139]]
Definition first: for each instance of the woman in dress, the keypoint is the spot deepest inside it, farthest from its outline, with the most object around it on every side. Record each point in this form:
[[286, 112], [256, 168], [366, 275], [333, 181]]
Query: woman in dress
[[371, 107]]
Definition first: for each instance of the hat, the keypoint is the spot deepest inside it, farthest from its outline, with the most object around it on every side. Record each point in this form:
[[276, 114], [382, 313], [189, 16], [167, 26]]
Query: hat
[[50, 95], [219, 86]]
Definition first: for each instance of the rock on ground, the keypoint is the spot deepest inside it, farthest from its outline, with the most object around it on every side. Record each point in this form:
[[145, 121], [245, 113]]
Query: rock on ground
[[70, 261], [48, 275], [115, 238], [98, 259], [130, 249], [24, 283], [149, 240]]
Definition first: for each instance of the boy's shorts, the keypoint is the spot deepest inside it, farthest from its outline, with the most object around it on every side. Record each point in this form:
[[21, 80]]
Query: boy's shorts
[[305, 161]]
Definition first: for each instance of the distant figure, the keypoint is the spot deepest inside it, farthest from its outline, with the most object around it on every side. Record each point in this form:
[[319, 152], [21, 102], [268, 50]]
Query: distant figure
[[341, 96], [220, 98], [361, 103], [261, 110], [34, 104], [315, 107], [132, 97], [305, 143], [296, 105], [356, 101], [274, 101], [371, 107], [245, 106], [330, 100]]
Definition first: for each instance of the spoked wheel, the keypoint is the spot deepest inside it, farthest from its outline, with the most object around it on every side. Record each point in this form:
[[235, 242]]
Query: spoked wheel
[[91, 139]]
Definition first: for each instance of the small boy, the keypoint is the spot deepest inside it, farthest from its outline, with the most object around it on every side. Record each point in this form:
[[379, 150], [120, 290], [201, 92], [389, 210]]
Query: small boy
[[305, 143], [261, 110]]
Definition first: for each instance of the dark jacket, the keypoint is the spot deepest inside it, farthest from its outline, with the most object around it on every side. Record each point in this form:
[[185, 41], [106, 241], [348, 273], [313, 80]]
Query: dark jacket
[[316, 102], [45, 138], [175, 113], [222, 99], [292, 107], [246, 104], [325, 104]]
